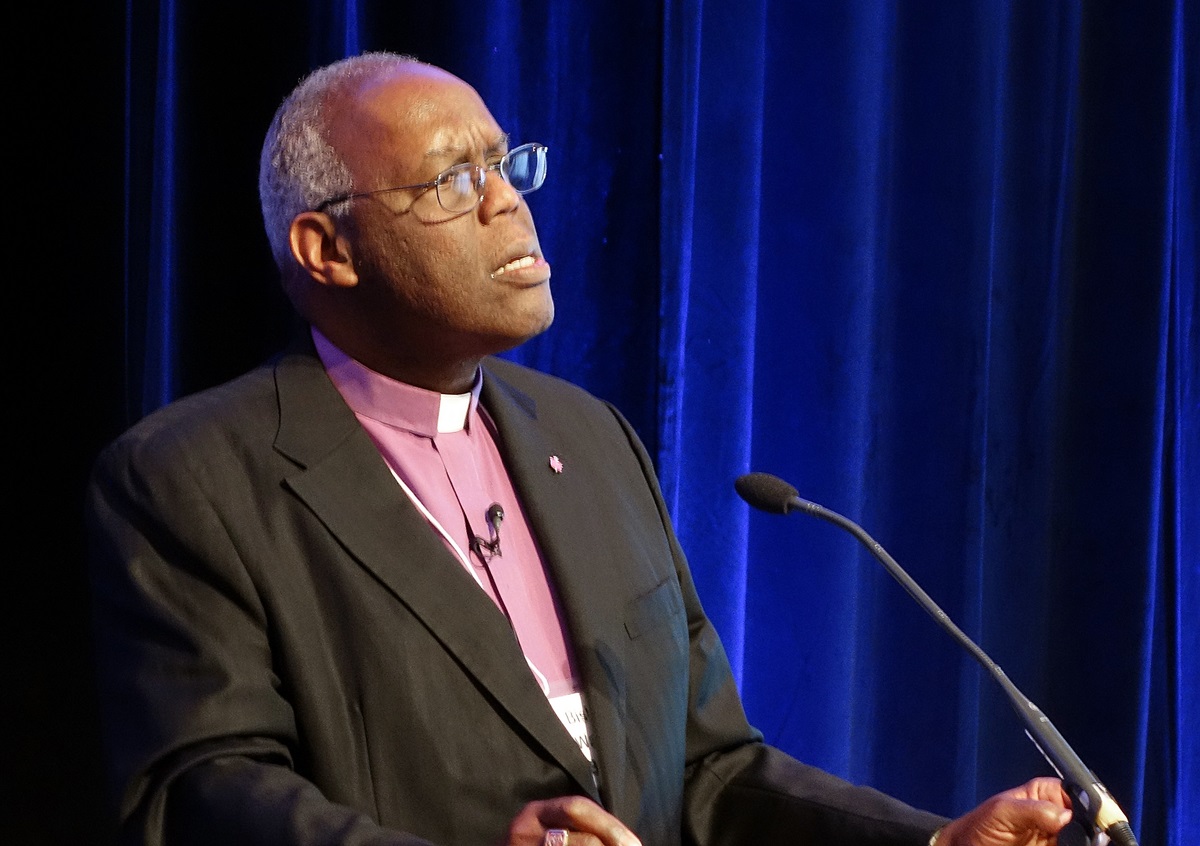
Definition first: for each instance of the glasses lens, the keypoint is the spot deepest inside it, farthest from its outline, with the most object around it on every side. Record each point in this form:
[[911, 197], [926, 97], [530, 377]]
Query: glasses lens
[[525, 168], [458, 188]]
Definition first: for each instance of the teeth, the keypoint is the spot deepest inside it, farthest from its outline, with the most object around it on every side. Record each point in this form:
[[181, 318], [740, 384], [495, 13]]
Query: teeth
[[515, 264]]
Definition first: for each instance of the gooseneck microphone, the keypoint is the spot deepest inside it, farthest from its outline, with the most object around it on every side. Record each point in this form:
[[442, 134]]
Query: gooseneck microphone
[[1091, 802]]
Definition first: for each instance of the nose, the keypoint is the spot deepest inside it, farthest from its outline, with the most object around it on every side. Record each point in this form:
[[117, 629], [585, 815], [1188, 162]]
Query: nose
[[498, 196]]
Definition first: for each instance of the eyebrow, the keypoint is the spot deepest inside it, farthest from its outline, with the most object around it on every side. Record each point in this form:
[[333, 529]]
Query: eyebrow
[[500, 143]]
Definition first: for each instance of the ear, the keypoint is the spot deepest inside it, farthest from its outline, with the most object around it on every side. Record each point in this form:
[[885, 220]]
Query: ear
[[321, 251]]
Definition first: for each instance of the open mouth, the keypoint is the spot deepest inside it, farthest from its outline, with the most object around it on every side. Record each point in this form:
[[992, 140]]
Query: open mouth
[[515, 264]]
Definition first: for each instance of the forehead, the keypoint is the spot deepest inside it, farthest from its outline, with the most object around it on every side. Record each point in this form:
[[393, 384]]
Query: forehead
[[413, 115]]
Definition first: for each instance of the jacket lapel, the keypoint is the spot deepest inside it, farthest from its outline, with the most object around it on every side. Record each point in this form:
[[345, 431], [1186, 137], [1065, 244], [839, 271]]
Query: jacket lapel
[[348, 486], [557, 503]]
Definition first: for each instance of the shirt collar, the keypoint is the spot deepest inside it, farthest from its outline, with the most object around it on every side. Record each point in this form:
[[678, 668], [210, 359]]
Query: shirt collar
[[398, 404]]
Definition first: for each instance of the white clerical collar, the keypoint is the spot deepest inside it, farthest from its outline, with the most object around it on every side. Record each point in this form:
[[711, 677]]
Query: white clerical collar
[[453, 411]]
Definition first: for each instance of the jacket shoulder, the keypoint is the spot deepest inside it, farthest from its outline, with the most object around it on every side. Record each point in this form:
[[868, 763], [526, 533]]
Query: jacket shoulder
[[207, 422]]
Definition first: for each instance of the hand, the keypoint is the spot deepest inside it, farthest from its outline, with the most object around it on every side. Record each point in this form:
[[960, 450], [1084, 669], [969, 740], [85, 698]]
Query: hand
[[1030, 815], [587, 823]]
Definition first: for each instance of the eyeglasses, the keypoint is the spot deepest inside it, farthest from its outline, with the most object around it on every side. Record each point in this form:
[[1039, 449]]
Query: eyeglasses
[[460, 188]]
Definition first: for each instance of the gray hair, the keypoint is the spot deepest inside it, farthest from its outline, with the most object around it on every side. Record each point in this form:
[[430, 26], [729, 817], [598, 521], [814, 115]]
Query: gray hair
[[299, 168]]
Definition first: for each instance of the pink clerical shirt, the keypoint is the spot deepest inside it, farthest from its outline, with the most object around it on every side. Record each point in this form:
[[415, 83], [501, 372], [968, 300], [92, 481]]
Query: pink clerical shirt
[[442, 450]]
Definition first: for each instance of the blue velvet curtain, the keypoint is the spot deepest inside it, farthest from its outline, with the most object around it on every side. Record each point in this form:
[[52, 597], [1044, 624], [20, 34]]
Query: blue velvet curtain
[[933, 263]]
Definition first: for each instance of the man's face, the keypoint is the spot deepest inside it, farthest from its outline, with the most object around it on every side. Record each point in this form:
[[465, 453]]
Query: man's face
[[432, 282]]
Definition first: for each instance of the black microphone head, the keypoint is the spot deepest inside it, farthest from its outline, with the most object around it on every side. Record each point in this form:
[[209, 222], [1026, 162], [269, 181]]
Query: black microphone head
[[766, 492]]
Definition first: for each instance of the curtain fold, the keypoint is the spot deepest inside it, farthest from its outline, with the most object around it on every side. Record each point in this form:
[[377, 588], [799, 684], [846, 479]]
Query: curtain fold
[[960, 330], [713, 115], [934, 264]]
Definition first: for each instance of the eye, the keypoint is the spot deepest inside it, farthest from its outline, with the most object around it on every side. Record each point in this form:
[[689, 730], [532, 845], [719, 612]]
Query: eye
[[460, 178]]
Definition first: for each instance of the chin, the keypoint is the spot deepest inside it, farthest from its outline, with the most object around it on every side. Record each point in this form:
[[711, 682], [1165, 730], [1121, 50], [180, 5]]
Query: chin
[[517, 336], [536, 320], [547, 319]]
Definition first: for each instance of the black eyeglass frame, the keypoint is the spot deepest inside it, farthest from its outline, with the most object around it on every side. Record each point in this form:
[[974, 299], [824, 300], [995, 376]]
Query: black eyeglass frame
[[479, 172]]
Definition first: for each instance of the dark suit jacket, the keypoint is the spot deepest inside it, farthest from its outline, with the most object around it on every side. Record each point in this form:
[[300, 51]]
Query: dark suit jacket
[[287, 653]]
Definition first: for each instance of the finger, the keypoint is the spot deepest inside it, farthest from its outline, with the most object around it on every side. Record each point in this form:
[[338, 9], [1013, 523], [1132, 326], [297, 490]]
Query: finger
[[1048, 789], [577, 815], [1039, 815], [582, 815]]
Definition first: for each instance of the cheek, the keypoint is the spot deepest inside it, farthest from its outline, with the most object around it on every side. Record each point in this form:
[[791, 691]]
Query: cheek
[[435, 271], [441, 283], [401, 263], [436, 256]]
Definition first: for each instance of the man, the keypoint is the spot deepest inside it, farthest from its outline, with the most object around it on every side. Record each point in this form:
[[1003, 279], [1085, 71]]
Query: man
[[388, 589]]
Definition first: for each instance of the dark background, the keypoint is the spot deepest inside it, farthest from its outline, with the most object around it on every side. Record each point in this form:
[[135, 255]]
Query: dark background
[[935, 263]]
